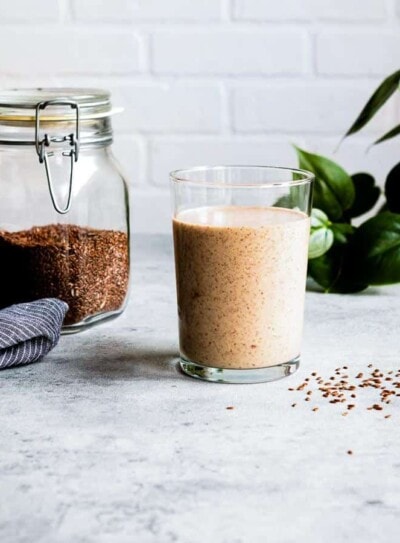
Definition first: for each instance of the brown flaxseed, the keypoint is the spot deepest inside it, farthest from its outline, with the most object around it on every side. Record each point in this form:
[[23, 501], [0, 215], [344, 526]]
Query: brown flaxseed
[[342, 389], [85, 267]]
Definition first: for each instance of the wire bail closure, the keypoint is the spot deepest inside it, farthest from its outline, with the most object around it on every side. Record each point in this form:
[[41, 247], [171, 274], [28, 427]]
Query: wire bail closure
[[73, 152]]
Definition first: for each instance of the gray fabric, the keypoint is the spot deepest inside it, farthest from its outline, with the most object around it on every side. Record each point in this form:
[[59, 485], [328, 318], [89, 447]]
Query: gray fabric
[[29, 331]]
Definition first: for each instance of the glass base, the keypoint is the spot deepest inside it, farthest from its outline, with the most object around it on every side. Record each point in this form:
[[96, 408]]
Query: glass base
[[243, 376], [93, 320]]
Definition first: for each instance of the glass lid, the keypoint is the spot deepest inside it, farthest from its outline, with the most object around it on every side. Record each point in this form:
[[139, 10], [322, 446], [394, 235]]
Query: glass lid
[[21, 104]]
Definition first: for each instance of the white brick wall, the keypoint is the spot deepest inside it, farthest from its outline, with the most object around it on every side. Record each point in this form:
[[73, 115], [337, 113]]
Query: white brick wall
[[358, 52], [213, 81], [302, 108], [307, 10], [146, 10], [169, 108], [25, 11], [44, 51], [229, 52]]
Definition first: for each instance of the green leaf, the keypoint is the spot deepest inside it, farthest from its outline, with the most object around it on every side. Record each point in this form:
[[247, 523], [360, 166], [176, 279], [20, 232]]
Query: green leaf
[[285, 201], [392, 189], [329, 271], [321, 237], [383, 208], [377, 100], [333, 187], [342, 231], [391, 134], [375, 248], [325, 269], [366, 194], [321, 241], [319, 218]]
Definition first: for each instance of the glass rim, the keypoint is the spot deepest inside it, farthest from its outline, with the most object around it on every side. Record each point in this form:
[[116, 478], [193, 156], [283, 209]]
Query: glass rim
[[181, 176]]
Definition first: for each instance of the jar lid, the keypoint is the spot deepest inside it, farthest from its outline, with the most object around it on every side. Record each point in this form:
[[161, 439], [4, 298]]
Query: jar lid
[[56, 120], [20, 104]]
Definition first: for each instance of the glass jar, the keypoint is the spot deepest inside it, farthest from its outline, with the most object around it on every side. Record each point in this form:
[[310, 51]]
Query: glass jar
[[64, 210]]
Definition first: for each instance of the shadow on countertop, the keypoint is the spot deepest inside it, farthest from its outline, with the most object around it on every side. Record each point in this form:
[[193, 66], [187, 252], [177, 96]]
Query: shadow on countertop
[[119, 360], [99, 364]]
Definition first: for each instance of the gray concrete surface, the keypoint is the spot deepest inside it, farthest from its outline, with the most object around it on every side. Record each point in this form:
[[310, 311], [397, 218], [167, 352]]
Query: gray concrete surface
[[105, 441]]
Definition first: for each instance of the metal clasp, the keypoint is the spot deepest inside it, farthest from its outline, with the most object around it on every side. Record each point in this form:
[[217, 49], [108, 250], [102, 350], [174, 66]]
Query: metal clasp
[[73, 152]]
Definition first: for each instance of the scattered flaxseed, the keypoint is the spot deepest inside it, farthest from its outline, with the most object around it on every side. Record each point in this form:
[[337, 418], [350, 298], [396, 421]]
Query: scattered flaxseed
[[230, 407], [294, 404], [341, 389], [349, 451], [387, 416]]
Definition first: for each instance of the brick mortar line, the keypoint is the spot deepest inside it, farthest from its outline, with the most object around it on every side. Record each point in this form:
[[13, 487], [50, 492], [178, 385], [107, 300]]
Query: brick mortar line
[[235, 137], [143, 79], [187, 134], [202, 26]]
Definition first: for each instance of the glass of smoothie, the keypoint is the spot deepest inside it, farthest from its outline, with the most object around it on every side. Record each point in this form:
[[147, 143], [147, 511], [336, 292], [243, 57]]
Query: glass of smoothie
[[241, 239]]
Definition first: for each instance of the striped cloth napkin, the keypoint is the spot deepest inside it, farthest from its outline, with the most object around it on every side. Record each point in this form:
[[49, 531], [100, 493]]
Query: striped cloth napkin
[[29, 331]]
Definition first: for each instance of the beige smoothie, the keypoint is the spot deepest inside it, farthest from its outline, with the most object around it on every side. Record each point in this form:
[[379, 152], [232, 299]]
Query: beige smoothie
[[241, 275]]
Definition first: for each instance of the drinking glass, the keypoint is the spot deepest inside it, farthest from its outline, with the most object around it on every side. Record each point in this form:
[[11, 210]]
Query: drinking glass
[[241, 239]]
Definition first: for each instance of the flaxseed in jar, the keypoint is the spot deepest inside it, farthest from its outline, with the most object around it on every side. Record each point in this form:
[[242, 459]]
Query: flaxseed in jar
[[64, 211]]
